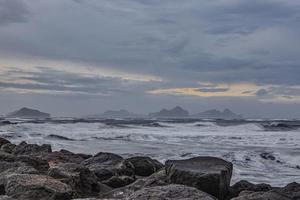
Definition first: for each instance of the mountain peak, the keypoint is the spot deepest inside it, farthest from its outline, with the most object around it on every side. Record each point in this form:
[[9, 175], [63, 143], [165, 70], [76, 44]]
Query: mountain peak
[[175, 112], [28, 113]]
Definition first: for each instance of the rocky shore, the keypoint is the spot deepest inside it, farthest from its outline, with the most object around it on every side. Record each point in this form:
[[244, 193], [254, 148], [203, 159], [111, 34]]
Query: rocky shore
[[35, 172]]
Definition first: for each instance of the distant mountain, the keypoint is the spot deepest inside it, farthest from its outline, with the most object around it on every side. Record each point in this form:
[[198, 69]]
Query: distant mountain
[[216, 114], [28, 113], [117, 114], [176, 112]]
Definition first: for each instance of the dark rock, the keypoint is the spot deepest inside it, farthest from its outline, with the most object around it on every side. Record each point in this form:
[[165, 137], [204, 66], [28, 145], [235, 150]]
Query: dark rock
[[36, 187], [8, 168], [4, 197], [38, 163], [289, 192], [81, 179], [174, 192], [245, 185], [145, 166], [270, 195], [64, 156], [30, 149], [8, 148], [208, 174], [3, 141], [156, 179], [106, 165], [267, 156], [119, 181]]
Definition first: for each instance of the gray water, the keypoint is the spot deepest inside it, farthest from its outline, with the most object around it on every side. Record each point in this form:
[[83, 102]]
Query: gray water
[[243, 144]]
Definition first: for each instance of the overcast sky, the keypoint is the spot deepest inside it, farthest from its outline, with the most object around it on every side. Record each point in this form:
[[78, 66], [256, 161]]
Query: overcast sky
[[79, 57]]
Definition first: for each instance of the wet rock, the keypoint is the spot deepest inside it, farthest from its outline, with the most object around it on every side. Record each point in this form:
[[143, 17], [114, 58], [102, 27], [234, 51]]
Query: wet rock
[[81, 179], [267, 156], [119, 181], [208, 174], [64, 156], [28, 149], [36, 187], [106, 165], [174, 192], [145, 166], [3, 141], [245, 185]]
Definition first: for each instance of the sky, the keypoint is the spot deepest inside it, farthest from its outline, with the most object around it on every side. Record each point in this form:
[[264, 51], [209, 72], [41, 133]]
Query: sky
[[80, 57]]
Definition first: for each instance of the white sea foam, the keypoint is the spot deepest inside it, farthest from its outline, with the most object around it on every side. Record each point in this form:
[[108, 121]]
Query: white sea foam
[[241, 144]]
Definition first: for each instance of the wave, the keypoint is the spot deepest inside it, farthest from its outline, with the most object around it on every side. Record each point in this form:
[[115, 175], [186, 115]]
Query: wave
[[58, 137]]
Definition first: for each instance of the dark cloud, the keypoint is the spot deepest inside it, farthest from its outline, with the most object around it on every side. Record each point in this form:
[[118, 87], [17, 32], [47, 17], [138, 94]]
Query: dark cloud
[[180, 42], [13, 11]]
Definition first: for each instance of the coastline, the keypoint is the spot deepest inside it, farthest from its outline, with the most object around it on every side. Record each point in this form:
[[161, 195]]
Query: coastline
[[32, 172]]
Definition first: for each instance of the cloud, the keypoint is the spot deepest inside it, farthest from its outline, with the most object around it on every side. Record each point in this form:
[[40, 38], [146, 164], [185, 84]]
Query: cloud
[[13, 11], [47, 80], [261, 92]]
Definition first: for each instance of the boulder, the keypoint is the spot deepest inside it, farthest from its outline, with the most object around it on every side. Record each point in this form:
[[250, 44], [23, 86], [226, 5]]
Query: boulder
[[81, 179], [245, 185], [289, 192], [38, 163], [208, 174], [145, 166], [4, 197], [28, 149], [156, 179], [174, 192], [3, 141], [119, 181], [270, 195], [8, 147], [64, 156], [36, 187], [106, 165]]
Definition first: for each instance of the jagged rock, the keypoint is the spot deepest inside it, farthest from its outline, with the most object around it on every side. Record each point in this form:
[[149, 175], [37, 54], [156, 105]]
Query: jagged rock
[[145, 166], [4, 197], [36, 187], [156, 179], [119, 181], [38, 163], [289, 192], [64, 156], [174, 192], [81, 179], [245, 185], [270, 195], [3, 141], [8, 147], [208, 174], [28, 149], [106, 165]]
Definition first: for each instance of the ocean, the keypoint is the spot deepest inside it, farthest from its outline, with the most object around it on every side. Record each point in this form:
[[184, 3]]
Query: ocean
[[262, 151]]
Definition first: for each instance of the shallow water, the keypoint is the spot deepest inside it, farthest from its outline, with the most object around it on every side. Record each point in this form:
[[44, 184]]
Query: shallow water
[[240, 143]]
